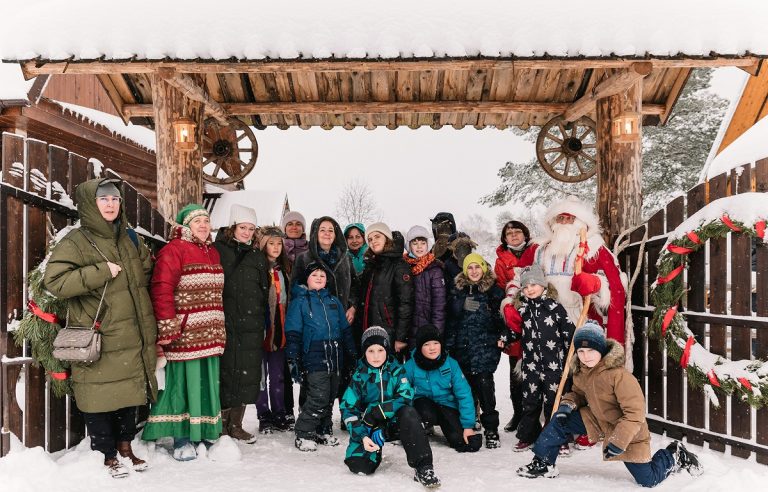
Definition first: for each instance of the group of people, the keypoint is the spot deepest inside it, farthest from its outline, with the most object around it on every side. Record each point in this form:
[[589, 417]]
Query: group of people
[[405, 331]]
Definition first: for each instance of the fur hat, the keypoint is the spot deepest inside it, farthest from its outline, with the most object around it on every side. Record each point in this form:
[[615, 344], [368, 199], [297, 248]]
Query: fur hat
[[415, 232], [533, 274], [268, 232], [572, 206], [186, 214], [446, 219], [514, 224], [374, 335], [238, 214], [590, 335], [474, 258], [291, 216], [108, 187], [379, 227]]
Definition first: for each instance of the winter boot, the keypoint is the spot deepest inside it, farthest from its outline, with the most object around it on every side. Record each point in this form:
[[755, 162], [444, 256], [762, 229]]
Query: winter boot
[[236, 430], [124, 448], [267, 423], [538, 468], [225, 421], [115, 468], [325, 437], [582, 442], [565, 451], [306, 445], [425, 475], [684, 459], [512, 424], [183, 449], [522, 446], [492, 440]]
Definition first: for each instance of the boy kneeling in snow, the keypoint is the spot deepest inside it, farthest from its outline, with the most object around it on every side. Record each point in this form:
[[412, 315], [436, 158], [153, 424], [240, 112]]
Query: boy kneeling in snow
[[611, 406], [377, 406]]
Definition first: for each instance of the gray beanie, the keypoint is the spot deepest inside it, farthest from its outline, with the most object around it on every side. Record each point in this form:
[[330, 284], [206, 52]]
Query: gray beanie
[[533, 274], [374, 335], [108, 188]]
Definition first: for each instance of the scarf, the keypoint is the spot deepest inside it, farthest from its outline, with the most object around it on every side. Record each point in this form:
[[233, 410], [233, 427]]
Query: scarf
[[418, 265], [429, 364], [330, 258], [294, 247]]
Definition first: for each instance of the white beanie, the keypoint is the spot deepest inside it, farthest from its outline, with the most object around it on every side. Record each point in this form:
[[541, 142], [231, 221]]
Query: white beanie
[[415, 232], [239, 214], [291, 216], [380, 227]]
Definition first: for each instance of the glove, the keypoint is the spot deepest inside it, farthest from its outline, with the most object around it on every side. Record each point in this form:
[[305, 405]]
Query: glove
[[377, 436], [611, 451], [563, 411], [585, 284], [374, 417], [296, 375]]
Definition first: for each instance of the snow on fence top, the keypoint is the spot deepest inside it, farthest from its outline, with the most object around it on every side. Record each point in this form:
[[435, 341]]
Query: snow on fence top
[[248, 30], [748, 148]]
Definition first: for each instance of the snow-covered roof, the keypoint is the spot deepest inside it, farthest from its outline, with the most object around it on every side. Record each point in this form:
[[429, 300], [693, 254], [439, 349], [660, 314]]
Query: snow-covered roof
[[267, 204], [751, 146], [248, 30], [13, 87], [143, 137]]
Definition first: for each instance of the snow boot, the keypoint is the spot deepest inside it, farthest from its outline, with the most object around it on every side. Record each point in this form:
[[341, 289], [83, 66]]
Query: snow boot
[[425, 475], [538, 467], [684, 459], [267, 424], [565, 451], [124, 449], [512, 424], [305, 445], [582, 442], [225, 421], [326, 438], [183, 449], [115, 468], [492, 440], [236, 430], [522, 446]]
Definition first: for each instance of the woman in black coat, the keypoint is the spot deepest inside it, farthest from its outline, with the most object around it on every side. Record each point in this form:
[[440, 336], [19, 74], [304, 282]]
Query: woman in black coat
[[386, 294], [246, 288]]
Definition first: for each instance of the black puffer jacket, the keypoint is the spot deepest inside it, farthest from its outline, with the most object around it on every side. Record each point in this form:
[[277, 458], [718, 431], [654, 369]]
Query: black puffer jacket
[[386, 294], [340, 276], [246, 287]]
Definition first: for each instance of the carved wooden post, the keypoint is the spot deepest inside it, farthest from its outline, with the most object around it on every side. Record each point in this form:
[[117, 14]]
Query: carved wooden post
[[179, 174], [619, 172]]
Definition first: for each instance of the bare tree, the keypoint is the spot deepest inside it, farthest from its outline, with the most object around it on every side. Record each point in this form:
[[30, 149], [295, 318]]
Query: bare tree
[[356, 204]]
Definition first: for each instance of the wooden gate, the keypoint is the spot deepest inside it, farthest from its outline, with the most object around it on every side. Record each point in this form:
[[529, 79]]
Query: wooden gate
[[726, 307], [36, 184]]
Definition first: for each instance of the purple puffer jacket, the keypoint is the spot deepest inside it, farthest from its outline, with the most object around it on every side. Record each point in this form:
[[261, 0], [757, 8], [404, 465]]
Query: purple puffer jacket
[[429, 307]]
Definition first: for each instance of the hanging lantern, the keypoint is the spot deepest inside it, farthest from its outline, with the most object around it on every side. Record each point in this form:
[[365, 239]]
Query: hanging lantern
[[184, 134], [626, 127]]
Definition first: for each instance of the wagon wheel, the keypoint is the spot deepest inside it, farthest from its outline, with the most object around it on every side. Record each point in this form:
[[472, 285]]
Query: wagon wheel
[[229, 152], [568, 151]]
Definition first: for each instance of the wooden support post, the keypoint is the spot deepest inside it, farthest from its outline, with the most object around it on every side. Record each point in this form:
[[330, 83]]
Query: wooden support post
[[179, 174], [190, 89], [619, 172]]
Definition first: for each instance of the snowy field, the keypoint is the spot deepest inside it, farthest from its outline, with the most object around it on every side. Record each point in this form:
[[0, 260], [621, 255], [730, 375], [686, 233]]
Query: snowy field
[[274, 464]]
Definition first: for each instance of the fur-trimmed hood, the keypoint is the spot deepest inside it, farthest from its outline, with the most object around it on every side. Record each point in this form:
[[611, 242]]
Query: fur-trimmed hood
[[584, 212], [615, 357], [485, 283]]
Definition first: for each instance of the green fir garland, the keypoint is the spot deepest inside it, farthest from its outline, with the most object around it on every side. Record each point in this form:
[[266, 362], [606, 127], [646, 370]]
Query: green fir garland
[[666, 295]]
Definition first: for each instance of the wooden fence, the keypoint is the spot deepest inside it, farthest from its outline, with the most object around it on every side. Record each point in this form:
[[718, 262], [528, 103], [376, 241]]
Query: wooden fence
[[37, 186], [726, 307]]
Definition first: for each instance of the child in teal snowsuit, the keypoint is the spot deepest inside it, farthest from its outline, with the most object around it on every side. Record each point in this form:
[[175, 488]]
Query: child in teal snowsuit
[[376, 407]]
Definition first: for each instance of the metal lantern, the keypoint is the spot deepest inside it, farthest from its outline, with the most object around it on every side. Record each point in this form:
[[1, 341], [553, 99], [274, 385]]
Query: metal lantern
[[184, 134], [626, 127]]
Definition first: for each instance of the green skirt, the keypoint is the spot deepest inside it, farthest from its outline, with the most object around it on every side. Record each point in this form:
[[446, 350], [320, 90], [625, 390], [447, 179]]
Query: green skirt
[[189, 406]]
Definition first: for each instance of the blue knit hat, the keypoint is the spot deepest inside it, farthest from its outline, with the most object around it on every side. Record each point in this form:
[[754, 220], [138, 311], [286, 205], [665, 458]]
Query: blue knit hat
[[590, 335]]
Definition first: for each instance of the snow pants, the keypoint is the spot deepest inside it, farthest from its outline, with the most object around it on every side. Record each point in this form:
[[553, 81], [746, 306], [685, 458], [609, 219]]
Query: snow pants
[[556, 434], [515, 391], [315, 416], [539, 389], [484, 391], [106, 429], [447, 418]]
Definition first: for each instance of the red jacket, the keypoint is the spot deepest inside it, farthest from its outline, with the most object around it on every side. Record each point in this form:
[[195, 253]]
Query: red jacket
[[187, 286], [506, 261]]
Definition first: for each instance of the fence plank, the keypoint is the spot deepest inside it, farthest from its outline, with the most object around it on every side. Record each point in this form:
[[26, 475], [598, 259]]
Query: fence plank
[[761, 307], [158, 224], [696, 301], [78, 173], [145, 213], [675, 216], [718, 290], [655, 355], [130, 203], [58, 161]]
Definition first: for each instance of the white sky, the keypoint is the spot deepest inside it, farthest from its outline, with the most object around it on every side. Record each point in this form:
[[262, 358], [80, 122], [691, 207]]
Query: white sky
[[412, 174]]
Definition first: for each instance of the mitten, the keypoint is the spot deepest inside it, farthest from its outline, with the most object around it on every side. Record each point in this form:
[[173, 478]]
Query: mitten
[[377, 436], [585, 284], [563, 411], [611, 451], [161, 360]]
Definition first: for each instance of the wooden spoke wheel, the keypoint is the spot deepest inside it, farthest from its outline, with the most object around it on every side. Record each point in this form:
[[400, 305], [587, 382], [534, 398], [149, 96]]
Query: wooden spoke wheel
[[568, 151], [229, 152]]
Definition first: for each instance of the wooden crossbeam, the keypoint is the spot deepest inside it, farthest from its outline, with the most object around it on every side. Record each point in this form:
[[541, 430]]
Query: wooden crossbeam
[[191, 90], [33, 68], [471, 107], [614, 84]]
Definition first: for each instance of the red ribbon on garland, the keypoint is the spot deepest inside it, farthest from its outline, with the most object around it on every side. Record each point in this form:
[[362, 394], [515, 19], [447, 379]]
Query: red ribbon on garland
[[727, 221], [59, 376], [670, 276], [35, 309], [687, 352], [746, 383], [668, 319], [693, 237], [760, 229], [713, 378], [679, 250]]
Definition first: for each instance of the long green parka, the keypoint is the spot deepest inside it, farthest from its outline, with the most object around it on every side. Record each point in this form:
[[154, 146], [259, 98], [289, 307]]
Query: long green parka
[[124, 376]]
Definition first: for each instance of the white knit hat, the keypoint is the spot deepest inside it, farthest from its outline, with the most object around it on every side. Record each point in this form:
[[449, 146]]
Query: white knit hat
[[380, 227], [416, 232], [239, 214]]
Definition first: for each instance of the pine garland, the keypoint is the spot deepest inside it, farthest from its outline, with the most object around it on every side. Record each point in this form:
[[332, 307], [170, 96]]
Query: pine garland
[[751, 381]]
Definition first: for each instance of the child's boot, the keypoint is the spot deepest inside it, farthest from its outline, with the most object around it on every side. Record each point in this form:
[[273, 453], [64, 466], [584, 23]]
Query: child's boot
[[492, 440], [306, 445], [425, 475], [684, 459], [538, 467]]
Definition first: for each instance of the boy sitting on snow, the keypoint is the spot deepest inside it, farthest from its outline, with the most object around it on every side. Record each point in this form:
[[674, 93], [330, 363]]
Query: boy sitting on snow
[[612, 407]]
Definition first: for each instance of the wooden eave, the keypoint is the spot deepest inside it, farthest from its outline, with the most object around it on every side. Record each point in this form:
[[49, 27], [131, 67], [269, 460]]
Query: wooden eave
[[481, 92]]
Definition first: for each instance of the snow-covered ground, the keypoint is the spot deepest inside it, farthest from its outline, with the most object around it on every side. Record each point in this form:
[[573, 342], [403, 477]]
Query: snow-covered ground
[[274, 464]]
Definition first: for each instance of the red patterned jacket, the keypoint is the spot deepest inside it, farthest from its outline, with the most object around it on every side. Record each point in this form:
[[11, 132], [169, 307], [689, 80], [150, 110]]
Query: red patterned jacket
[[187, 286]]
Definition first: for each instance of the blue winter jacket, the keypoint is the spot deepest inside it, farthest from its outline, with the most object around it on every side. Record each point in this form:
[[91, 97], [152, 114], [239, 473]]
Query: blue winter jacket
[[317, 332], [445, 386]]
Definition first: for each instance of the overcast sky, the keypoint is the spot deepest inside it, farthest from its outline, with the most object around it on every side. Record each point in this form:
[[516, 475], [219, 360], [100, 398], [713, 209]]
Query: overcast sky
[[412, 174]]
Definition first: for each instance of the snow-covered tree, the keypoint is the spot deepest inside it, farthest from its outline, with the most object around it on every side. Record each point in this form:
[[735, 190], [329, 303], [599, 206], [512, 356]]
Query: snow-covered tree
[[673, 155], [356, 204], [481, 231]]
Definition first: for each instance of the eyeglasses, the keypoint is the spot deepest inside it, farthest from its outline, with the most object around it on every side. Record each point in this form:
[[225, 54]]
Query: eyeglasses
[[565, 219], [514, 232], [108, 200]]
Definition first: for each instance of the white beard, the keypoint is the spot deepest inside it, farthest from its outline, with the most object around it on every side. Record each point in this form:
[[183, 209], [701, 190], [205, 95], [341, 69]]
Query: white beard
[[565, 238]]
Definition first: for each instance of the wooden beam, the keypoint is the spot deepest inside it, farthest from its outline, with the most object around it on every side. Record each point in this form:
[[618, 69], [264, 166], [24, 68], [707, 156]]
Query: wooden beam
[[753, 69], [32, 68], [114, 95], [676, 91], [191, 90], [615, 84], [467, 107]]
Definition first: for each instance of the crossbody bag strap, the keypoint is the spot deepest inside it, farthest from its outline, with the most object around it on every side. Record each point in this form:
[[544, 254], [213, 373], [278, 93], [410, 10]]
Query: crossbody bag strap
[[101, 301]]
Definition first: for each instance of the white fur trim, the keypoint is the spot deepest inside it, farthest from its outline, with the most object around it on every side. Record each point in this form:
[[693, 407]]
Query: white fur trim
[[505, 302], [583, 212], [602, 298]]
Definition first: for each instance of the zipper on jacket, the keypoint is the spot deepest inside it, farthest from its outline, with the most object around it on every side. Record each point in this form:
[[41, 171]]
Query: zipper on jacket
[[367, 302], [387, 316], [381, 382], [328, 343]]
